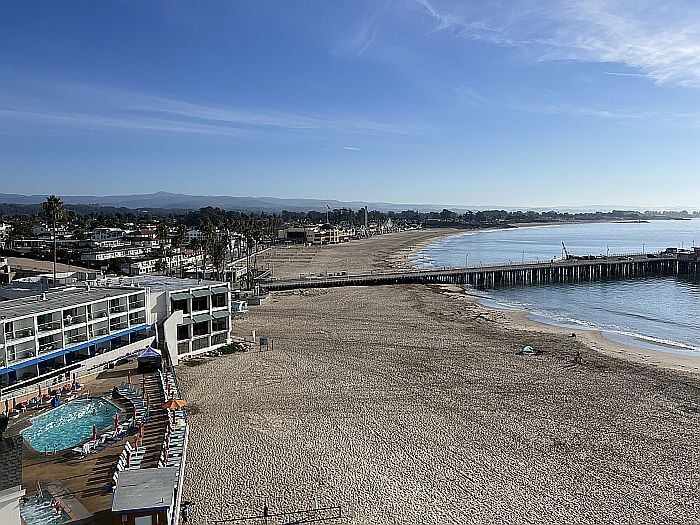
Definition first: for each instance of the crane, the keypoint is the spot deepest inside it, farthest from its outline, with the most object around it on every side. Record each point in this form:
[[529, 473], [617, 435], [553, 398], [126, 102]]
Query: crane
[[567, 255]]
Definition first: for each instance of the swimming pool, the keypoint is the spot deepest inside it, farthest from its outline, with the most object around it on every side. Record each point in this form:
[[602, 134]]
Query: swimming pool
[[70, 424]]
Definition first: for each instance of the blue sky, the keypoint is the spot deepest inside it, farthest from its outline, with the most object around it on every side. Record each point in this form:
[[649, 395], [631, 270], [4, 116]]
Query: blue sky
[[500, 102]]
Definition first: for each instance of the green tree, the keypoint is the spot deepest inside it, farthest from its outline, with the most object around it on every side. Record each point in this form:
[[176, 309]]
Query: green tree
[[55, 212]]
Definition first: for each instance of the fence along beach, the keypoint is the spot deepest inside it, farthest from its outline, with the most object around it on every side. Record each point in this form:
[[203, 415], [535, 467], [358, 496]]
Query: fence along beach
[[407, 404]]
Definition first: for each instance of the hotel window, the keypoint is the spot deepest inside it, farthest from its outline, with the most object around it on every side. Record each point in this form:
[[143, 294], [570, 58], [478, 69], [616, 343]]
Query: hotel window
[[219, 325], [181, 305], [183, 332], [218, 300], [199, 304], [201, 328]]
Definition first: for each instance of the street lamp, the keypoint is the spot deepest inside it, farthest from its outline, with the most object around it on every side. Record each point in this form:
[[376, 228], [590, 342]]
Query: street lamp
[[643, 248], [466, 261]]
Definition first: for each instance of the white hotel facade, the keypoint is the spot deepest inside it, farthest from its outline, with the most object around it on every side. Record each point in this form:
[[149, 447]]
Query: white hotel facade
[[46, 339]]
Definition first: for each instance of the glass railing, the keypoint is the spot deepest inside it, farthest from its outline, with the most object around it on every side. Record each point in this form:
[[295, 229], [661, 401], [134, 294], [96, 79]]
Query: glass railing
[[135, 305], [118, 326], [200, 343], [19, 334], [49, 347], [137, 320], [24, 354], [100, 331], [98, 315], [79, 338], [183, 347], [218, 339], [117, 309], [69, 321], [51, 325]]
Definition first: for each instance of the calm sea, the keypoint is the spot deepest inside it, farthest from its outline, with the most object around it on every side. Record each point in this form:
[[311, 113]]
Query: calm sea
[[656, 313]]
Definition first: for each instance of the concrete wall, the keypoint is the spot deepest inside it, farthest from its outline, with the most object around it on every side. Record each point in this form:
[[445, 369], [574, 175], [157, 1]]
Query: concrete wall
[[9, 506], [170, 331]]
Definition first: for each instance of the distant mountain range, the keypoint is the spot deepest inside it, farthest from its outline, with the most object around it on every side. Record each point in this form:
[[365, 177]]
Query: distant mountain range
[[180, 201]]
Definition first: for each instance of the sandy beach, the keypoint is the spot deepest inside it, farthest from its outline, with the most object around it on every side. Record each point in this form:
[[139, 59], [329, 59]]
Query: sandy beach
[[408, 404]]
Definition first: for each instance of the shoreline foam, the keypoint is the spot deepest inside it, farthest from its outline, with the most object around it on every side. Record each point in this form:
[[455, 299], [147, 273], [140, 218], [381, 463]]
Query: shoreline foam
[[593, 336]]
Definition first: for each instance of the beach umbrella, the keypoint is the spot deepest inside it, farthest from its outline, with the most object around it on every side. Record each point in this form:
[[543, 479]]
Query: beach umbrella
[[94, 432], [174, 404], [116, 421]]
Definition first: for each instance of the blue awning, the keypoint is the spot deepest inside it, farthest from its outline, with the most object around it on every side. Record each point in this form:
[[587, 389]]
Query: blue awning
[[65, 351]]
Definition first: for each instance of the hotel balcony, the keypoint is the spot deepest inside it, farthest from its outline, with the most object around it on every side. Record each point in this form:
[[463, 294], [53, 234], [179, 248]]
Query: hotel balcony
[[49, 326], [101, 314], [74, 320], [45, 348], [19, 334]]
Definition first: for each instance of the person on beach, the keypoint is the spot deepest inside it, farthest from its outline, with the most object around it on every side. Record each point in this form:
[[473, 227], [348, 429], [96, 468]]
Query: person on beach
[[185, 513], [578, 359]]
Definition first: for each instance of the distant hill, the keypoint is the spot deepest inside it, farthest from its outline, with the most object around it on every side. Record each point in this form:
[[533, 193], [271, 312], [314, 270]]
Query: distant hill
[[181, 201]]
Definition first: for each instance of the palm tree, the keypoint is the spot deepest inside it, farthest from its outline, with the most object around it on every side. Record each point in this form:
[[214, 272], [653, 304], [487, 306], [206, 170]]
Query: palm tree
[[195, 245], [55, 212], [208, 235], [218, 255], [179, 241], [162, 234]]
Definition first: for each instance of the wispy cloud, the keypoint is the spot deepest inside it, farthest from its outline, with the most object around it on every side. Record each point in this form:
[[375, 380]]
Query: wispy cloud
[[79, 106], [617, 74], [350, 148], [620, 114], [659, 39], [469, 96]]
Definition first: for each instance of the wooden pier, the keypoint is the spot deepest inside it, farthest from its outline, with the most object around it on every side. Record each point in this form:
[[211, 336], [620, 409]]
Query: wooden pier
[[494, 276]]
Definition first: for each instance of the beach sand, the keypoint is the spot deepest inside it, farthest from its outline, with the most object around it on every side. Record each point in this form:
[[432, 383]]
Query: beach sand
[[408, 404]]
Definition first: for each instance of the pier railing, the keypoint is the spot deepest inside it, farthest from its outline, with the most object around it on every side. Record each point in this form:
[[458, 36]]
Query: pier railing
[[494, 275]]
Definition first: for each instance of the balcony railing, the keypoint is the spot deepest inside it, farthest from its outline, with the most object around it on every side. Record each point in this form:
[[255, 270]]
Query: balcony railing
[[51, 325], [23, 354], [118, 326], [49, 347], [218, 339], [137, 320], [19, 334], [98, 315], [100, 331], [200, 343], [78, 338], [183, 347], [117, 309], [135, 305]]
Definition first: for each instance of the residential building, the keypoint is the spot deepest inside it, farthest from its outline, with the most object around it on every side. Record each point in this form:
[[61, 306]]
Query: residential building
[[317, 235], [107, 234], [117, 253]]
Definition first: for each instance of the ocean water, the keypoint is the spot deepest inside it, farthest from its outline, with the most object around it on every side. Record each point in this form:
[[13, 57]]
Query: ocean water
[[659, 313]]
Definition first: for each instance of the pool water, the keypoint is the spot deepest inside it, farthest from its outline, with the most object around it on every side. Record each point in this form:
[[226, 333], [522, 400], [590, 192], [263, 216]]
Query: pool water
[[70, 424], [37, 510]]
